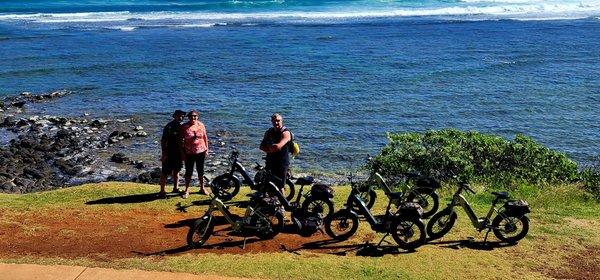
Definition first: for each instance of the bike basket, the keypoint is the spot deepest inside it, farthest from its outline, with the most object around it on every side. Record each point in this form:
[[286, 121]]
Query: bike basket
[[322, 190], [410, 210], [517, 206]]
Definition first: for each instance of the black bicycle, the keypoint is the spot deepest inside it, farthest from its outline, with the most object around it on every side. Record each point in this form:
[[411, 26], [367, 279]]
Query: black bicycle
[[405, 224], [309, 215], [226, 186], [424, 191], [511, 223]]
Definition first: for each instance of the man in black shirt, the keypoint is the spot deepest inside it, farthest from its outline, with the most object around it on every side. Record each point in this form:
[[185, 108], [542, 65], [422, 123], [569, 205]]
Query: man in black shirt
[[275, 144], [170, 144]]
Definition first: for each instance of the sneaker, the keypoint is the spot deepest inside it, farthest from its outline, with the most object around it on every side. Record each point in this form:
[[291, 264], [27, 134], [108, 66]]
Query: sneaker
[[185, 195]]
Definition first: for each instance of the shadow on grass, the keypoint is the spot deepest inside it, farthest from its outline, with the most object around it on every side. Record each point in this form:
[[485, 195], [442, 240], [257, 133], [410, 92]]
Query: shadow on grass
[[134, 198], [366, 249], [472, 244]]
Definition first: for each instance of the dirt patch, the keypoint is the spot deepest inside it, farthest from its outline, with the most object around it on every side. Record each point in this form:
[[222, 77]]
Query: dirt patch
[[103, 235], [581, 265]]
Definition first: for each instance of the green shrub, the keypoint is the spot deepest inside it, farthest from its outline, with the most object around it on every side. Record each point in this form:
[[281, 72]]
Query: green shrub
[[590, 179], [450, 153]]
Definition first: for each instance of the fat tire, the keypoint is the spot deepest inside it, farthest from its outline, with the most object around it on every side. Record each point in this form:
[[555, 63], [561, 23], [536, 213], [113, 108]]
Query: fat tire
[[446, 227], [225, 186], [499, 234], [326, 203], [342, 214], [398, 238], [204, 227], [371, 195], [290, 189], [417, 195], [275, 227]]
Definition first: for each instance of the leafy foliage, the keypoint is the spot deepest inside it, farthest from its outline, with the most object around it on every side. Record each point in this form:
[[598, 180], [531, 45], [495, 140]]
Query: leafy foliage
[[450, 153]]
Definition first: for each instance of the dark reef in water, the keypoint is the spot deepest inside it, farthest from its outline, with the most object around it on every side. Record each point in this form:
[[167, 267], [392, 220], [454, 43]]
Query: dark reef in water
[[49, 152]]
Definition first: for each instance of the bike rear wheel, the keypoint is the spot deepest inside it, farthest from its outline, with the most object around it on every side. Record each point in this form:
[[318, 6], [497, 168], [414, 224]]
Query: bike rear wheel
[[341, 225], [510, 228], [441, 223], [200, 231], [409, 234], [225, 186], [317, 206], [428, 199]]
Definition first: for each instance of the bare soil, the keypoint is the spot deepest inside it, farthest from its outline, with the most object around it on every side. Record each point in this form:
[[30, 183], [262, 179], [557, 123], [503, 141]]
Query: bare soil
[[105, 235]]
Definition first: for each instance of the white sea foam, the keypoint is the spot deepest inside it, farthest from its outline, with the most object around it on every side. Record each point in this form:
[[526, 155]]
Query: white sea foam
[[510, 9]]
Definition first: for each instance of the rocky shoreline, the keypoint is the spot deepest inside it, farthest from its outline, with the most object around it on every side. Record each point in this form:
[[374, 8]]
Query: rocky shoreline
[[49, 152]]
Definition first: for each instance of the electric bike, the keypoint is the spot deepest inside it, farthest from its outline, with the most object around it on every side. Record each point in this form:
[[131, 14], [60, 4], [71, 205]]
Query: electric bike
[[405, 224], [260, 218], [227, 185], [510, 224]]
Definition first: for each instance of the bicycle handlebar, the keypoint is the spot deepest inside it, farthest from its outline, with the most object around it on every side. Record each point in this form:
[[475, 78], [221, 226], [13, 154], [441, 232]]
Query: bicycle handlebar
[[465, 185]]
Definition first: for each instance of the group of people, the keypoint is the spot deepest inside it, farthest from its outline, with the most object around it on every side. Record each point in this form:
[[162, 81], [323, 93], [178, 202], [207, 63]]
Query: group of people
[[188, 143]]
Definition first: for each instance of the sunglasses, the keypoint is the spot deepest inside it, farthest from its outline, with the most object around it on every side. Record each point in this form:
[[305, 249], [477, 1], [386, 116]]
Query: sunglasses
[[193, 116]]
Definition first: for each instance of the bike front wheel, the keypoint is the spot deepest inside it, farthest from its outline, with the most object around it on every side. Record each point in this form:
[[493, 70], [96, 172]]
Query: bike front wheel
[[225, 186], [289, 190], [441, 223], [509, 228], [429, 201], [341, 225], [409, 234], [200, 231], [317, 206]]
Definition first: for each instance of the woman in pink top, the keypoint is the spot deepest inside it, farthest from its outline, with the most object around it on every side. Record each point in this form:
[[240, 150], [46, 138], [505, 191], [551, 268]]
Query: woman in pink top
[[195, 148]]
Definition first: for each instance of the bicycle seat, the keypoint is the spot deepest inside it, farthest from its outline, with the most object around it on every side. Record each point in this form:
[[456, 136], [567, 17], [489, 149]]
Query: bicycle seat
[[305, 180], [501, 194], [395, 195]]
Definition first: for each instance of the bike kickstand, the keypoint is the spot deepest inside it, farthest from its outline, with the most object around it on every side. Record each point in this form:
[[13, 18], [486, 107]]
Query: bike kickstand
[[486, 235], [382, 239], [244, 245]]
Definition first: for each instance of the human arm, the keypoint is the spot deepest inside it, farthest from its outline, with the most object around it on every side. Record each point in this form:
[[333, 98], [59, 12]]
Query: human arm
[[163, 143], [276, 147]]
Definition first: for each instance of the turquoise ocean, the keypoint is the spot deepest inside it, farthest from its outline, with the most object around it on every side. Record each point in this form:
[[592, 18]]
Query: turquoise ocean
[[343, 73]]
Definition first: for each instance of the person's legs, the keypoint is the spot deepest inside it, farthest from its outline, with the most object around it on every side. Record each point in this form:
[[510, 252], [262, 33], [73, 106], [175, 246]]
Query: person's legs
[[189, 170], [200, 169], [163, 178], [175, 181]]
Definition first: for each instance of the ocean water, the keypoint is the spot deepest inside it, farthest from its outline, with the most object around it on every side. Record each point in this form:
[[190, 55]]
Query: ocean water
[[343, 73]]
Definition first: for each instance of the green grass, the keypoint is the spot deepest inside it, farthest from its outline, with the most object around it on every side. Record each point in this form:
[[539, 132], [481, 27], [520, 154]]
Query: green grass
[[564, 225]]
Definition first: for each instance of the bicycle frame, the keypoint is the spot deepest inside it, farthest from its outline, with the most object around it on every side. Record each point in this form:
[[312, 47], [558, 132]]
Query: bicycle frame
[[479, 224], [217, 205], [354, 199]]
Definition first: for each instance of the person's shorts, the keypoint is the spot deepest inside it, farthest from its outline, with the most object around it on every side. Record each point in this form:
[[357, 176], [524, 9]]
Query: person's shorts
[[172, 164]]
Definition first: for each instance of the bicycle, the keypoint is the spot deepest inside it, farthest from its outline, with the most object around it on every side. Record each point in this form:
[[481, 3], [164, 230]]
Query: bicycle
[[307, 216], [226, 186], [511, 223], [424, 193], [260, 217], [405, 224]]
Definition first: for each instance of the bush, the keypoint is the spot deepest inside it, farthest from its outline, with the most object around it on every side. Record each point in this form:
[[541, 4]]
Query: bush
[[590, 179], [446, 154]]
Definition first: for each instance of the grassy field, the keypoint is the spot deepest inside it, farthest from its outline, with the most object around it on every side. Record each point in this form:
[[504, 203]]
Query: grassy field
[[563, 241]]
